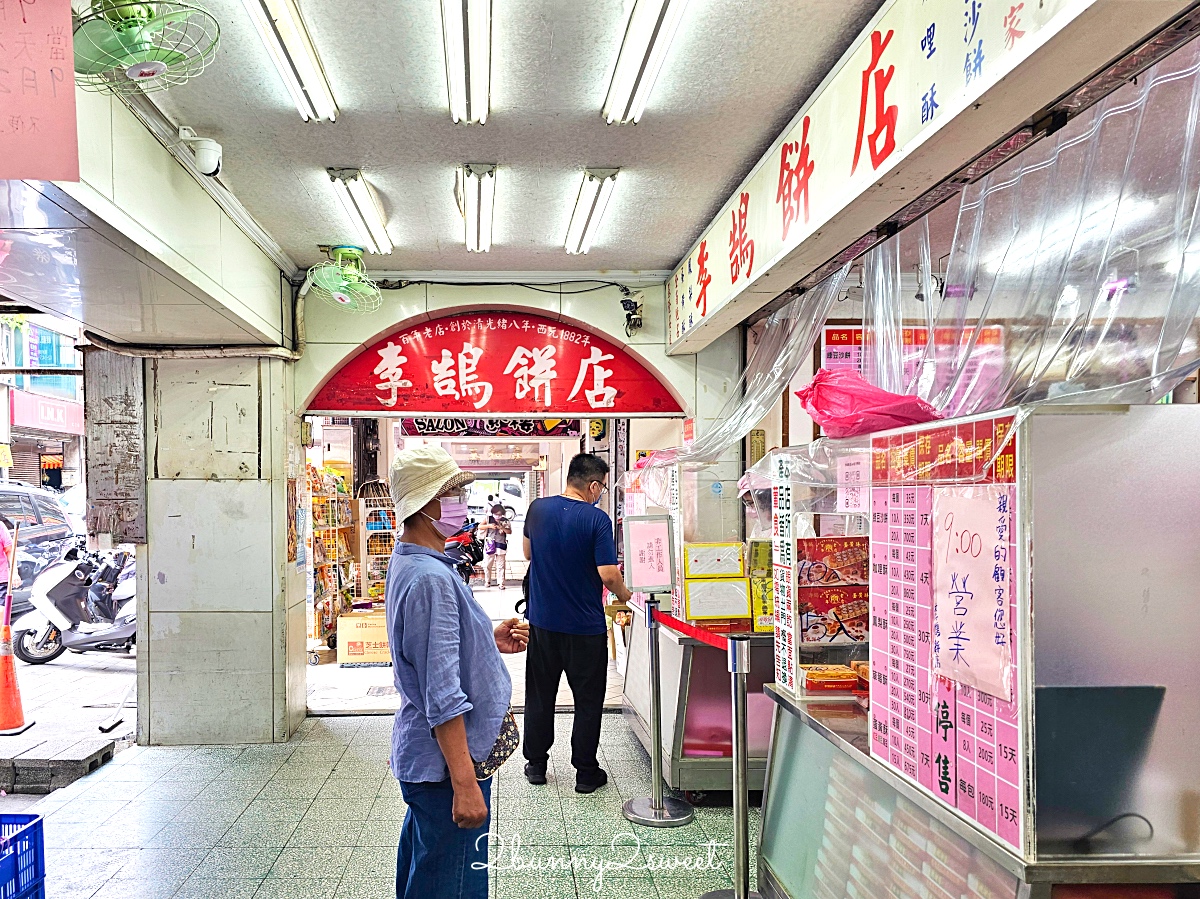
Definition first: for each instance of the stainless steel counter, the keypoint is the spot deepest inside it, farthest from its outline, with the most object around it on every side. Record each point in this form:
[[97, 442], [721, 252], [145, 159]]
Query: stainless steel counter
[[845, 727]]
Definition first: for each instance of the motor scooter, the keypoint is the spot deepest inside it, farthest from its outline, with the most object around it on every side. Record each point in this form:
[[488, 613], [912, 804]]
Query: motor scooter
[[84, 602], [466, 550]]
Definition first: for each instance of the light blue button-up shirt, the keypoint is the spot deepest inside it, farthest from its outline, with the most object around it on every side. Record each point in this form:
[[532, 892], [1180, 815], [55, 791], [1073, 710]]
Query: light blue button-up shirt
[[444, 660]]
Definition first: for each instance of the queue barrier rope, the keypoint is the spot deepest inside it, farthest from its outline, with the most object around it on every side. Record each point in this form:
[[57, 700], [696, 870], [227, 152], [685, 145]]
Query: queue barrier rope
[[690, 630]]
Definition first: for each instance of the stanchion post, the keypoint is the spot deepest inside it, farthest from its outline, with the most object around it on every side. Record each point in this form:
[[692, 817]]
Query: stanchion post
[[657, 810], [739, 670]]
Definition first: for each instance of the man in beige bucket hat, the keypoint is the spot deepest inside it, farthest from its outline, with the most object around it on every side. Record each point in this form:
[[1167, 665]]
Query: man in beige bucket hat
[[455, 689]]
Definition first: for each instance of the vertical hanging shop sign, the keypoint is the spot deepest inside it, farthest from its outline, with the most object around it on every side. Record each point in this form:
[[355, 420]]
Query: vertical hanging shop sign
[[915, 67], [38, 137]]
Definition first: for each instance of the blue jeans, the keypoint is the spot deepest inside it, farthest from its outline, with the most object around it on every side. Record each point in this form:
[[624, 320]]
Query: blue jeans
[[436, 858]]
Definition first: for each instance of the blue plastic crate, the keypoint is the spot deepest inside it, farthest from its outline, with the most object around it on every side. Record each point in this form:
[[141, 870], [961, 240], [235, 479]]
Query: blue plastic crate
[[22, 857]]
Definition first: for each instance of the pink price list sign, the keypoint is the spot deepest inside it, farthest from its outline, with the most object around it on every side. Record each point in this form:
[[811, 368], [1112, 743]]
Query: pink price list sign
[[959, 743], [649, 557]]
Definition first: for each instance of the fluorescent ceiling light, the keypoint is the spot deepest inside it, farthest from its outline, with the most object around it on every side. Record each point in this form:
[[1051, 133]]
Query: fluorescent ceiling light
[[286, 38], [648, 35], [594, 193], [363, 209], [476, 189], [467, 34]]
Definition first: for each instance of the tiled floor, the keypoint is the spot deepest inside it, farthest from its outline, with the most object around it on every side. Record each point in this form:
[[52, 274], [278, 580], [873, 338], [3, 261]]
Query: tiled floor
[[317, 818], [334, 690], [338, 690]]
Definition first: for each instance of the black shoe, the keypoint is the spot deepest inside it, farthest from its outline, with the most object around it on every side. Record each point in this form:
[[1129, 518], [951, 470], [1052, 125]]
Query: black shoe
[[535, 774], [590, 782]]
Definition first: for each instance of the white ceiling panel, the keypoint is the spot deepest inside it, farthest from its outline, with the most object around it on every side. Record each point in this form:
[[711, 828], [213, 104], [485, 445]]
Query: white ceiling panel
[[739, 70], [79, 274]]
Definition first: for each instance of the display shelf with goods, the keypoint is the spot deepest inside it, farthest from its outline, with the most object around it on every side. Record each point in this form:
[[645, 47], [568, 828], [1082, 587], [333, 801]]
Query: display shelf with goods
[[333, 564], [374, 540]]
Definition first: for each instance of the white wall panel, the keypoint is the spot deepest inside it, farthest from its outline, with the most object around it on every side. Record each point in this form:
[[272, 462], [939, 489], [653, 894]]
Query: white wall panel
[[93, 114], [150, 186], [207, 419], [325, 324], [211, 546], [210, 677], [249, 275], [602, 309], [445, 298]]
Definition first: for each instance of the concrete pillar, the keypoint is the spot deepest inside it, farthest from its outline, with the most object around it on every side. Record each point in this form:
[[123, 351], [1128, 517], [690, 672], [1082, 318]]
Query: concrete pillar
[[224, 610]]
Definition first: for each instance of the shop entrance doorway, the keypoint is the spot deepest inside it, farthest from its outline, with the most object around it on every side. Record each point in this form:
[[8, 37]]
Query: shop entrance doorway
[[349, 542], [487, 386]]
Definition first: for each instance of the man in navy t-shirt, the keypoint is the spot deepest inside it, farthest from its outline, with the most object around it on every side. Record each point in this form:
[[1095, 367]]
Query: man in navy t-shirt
[[572, 557]]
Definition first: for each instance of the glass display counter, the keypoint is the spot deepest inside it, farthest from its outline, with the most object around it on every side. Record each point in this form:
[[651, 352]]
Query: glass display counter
[[1090, 775]]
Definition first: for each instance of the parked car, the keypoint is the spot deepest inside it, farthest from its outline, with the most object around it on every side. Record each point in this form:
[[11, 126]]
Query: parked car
[[74, 501], [509, 493], [45, 533]]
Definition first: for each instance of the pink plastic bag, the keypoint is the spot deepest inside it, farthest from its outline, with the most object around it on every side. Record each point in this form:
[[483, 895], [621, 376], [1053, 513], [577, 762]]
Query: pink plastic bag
[[845, 405]]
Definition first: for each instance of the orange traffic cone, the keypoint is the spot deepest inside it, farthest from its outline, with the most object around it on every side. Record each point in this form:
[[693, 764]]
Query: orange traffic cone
[[12, 716]]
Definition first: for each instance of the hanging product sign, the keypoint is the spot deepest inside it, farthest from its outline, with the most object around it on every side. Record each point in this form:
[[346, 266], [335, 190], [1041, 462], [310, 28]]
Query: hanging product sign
[[495, 364], [842, 347], [943, 617], [489, 427], [38, 139], [913, 69]]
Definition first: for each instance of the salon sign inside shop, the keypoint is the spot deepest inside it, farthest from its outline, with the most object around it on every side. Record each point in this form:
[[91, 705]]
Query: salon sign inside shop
[[495, 363], [917, 65]]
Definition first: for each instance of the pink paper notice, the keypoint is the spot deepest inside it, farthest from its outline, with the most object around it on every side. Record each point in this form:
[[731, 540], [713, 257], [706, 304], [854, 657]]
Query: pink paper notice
[[972, 584], [38, 140], [647, 560]]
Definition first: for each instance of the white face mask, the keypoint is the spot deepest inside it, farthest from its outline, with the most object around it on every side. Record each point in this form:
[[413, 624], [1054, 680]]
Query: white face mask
[[454, 513]]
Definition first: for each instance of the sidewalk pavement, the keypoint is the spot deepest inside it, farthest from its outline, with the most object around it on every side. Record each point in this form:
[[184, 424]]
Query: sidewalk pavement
[[318, 818]]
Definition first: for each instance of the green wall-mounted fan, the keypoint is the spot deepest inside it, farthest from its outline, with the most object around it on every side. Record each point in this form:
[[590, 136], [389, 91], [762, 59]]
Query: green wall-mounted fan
[[343, 282], [123, 47]]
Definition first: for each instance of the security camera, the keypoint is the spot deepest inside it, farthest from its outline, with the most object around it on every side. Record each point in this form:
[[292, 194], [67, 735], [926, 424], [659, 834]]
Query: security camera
[[632, 304], [206, 150]]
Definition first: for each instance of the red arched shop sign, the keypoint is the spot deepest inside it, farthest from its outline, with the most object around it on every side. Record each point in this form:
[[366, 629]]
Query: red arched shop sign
[[497, 363]]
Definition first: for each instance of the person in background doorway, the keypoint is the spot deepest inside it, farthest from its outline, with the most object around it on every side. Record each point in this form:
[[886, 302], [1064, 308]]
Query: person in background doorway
[[495, 546], [572, 558], [455, 691]]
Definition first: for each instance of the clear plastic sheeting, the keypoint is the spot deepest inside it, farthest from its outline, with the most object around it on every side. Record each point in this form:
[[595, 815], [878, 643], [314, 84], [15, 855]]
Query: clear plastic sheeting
[[816, 471], [1074, 275], [787, 340]]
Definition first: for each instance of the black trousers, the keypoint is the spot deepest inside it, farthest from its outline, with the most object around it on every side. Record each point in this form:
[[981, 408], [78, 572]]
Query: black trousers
[[584, 658]]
